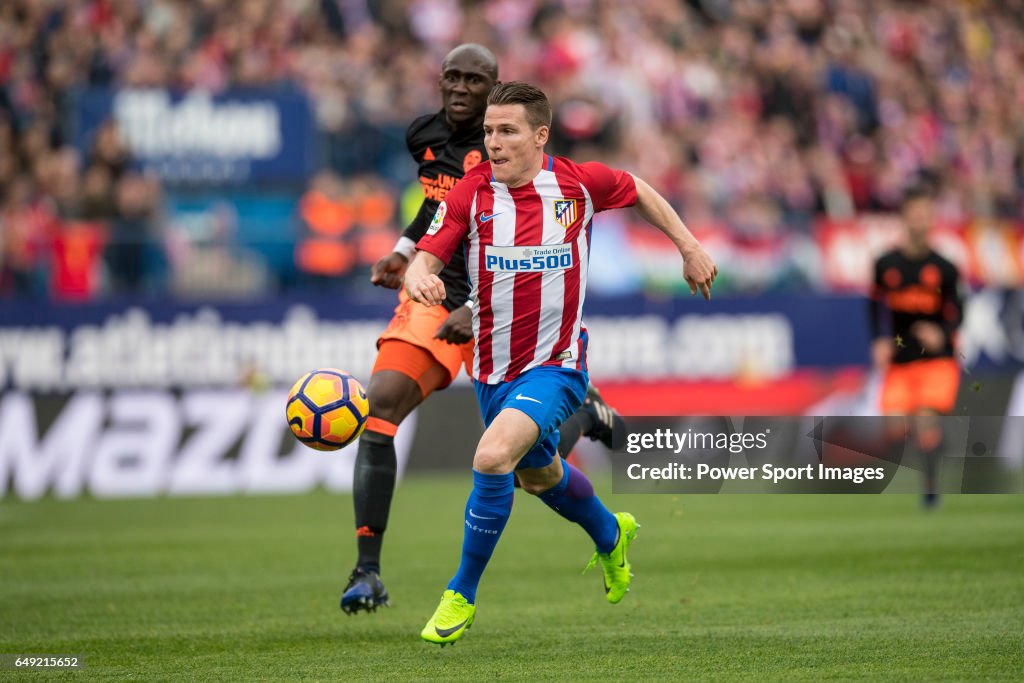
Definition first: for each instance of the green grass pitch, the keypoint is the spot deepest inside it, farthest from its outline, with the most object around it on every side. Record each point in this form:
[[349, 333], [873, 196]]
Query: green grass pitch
[[727, 587]]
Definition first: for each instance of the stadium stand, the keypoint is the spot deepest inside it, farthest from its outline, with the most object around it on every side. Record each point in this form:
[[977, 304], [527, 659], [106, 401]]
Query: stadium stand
[[757, 119]]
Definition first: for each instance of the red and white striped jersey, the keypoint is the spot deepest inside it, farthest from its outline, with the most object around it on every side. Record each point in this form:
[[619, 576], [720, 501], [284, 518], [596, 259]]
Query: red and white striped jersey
[[527, 252]]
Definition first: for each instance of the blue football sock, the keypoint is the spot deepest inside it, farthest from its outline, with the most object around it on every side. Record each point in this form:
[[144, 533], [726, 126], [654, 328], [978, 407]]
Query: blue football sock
[[487, 511], [574, 499]]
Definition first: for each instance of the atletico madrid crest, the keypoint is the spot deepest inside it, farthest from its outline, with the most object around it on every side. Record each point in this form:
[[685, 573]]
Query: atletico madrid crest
[[565, 211]]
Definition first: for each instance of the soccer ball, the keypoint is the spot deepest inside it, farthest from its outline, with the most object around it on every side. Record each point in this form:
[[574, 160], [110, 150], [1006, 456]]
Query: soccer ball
[[327, 409]]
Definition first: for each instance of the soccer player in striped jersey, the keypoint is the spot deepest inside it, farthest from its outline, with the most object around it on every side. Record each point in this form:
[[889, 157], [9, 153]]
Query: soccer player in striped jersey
[[423, 349], [524, 220]]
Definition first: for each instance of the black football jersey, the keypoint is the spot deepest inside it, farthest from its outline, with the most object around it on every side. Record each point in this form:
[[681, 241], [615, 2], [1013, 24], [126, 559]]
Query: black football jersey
[[912, 290], [444, 156]]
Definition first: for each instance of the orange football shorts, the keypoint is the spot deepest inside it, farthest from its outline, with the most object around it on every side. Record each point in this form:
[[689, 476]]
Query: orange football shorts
[[415, 325], [920, 385]]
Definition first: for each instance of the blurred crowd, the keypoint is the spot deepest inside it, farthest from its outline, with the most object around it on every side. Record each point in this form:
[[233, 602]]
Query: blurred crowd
[[755, 115]]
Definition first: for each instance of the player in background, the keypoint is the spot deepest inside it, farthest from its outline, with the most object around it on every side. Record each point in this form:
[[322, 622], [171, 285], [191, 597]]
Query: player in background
[[423, 348], [524, 219], [915, 310]]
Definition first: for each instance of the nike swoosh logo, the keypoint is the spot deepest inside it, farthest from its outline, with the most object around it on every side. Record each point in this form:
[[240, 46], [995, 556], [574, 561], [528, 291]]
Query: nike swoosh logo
[[484, 217], [445, 632], [520, 397], [478, 516]]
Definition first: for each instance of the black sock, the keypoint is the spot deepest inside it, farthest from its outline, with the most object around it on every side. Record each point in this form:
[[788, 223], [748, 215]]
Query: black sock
[[373, 484], [931, 469], [929, 442], [570, 431]]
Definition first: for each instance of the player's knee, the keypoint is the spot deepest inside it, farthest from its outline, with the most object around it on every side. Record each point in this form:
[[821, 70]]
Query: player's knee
[[384, 405], [536, 486], [537, 480], [492, 458], [532, 487], [929, 438], [390, 400], [896, 429]]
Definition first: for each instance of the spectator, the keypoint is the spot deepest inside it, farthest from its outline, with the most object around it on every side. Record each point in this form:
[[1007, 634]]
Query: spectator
[[133, 230], [346, 227]]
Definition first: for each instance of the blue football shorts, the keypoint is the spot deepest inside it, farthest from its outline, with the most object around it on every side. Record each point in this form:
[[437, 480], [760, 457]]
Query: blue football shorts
[[548, 394]]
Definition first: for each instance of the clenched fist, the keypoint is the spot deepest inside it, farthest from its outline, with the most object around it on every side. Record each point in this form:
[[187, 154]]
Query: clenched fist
[[427, 290], [388, 271]]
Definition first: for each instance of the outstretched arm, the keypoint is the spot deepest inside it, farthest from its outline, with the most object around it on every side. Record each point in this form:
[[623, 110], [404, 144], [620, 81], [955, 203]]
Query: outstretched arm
[[699, 268], [421, 281]]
